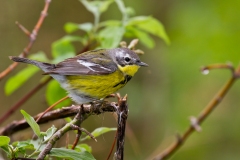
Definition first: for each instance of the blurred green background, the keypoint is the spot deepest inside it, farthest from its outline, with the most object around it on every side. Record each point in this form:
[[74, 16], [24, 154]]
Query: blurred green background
[[163, 96]]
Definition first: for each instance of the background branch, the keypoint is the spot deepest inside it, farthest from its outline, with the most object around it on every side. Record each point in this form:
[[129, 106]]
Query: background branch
[[32, 38], [195, 122], [18, 104]]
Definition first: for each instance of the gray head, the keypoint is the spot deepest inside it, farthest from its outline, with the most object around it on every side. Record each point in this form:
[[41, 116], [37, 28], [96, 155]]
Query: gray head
[[125, 56]]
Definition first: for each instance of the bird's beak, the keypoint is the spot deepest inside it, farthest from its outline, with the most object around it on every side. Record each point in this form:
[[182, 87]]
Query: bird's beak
[[142, 64]]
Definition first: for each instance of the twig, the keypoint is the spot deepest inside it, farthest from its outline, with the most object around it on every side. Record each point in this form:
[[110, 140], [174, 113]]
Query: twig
[[32, 38], [131, 136], [195, 122], [58, 114], [122, 119], [56, 136], [23, 29], [80, 130], [73, 125], [13, 108], [78, 135], [113, 145], [51, 107]]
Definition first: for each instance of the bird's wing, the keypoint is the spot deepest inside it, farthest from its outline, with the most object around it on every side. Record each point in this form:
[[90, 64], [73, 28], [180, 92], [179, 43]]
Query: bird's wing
[[85, 65]]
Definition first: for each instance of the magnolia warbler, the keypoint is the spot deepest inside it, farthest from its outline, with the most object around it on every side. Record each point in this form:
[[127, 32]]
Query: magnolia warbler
[[92, 75]]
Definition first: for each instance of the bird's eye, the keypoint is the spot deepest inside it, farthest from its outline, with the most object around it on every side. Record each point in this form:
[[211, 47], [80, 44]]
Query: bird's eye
[[127, 59]]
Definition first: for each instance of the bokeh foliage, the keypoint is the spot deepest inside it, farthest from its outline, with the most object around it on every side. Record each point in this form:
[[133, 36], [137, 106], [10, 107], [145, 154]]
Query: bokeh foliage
[[162, 97]]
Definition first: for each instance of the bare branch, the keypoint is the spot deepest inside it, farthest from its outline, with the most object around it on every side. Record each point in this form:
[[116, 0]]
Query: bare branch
[[195, 122], [23, 29], [13, 108], [32, 38], [122, 113]]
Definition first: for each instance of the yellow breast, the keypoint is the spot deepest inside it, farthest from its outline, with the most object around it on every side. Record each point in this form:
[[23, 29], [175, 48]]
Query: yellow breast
[[97, 86]]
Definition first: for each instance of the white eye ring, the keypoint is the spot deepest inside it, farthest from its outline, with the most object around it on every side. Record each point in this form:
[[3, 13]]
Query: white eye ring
[[127, 59]]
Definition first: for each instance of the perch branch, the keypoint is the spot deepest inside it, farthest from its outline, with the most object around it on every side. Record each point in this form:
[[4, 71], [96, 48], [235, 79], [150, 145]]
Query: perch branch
[[32, 38], [196, 121], [58, 114], [51, 107], [122, 113], [73, 125]]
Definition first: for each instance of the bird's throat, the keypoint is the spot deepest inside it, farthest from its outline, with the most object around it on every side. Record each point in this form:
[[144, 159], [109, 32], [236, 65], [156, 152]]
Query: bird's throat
[[129, 69]]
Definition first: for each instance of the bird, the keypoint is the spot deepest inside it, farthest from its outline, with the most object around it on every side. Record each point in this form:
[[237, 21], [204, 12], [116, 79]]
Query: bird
[[92, 75]]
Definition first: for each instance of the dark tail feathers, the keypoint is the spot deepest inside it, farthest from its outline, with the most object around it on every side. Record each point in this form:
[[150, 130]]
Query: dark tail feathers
[[44, 66]]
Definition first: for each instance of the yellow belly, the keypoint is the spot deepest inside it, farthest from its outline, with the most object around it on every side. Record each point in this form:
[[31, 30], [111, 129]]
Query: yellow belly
[[97, 86]]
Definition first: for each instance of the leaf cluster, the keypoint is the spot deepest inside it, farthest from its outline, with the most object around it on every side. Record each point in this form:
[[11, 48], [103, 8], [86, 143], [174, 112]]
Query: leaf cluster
[[31, 148], [96, 34]]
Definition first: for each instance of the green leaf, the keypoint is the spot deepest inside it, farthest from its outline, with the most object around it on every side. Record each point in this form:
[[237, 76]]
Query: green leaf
[[125, 12], [91, 7], [39, 56], [7, 151], [4, 140], [38, 144], [63, 49], [54, 93], [111, 36], [144, 38], [99, 131], [71, 27], [130, 11], [32, 123], [19, 79], [50, 132], [25, 145], [83, 147], [70, 38], [71, 154], [150, 25], [103, 5], [110, 23], [121, 5], [96, 7]]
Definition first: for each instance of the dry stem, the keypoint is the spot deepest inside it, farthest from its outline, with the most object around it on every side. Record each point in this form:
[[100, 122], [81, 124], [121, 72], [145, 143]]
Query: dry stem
[[13, 108], [195, 122], [32, 38]]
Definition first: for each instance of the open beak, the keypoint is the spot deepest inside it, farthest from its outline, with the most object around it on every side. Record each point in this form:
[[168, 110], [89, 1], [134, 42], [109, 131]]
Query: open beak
[[142, 64]]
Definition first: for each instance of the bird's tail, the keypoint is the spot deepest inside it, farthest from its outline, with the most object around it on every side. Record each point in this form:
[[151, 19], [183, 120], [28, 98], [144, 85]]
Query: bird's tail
[[42, 65]]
